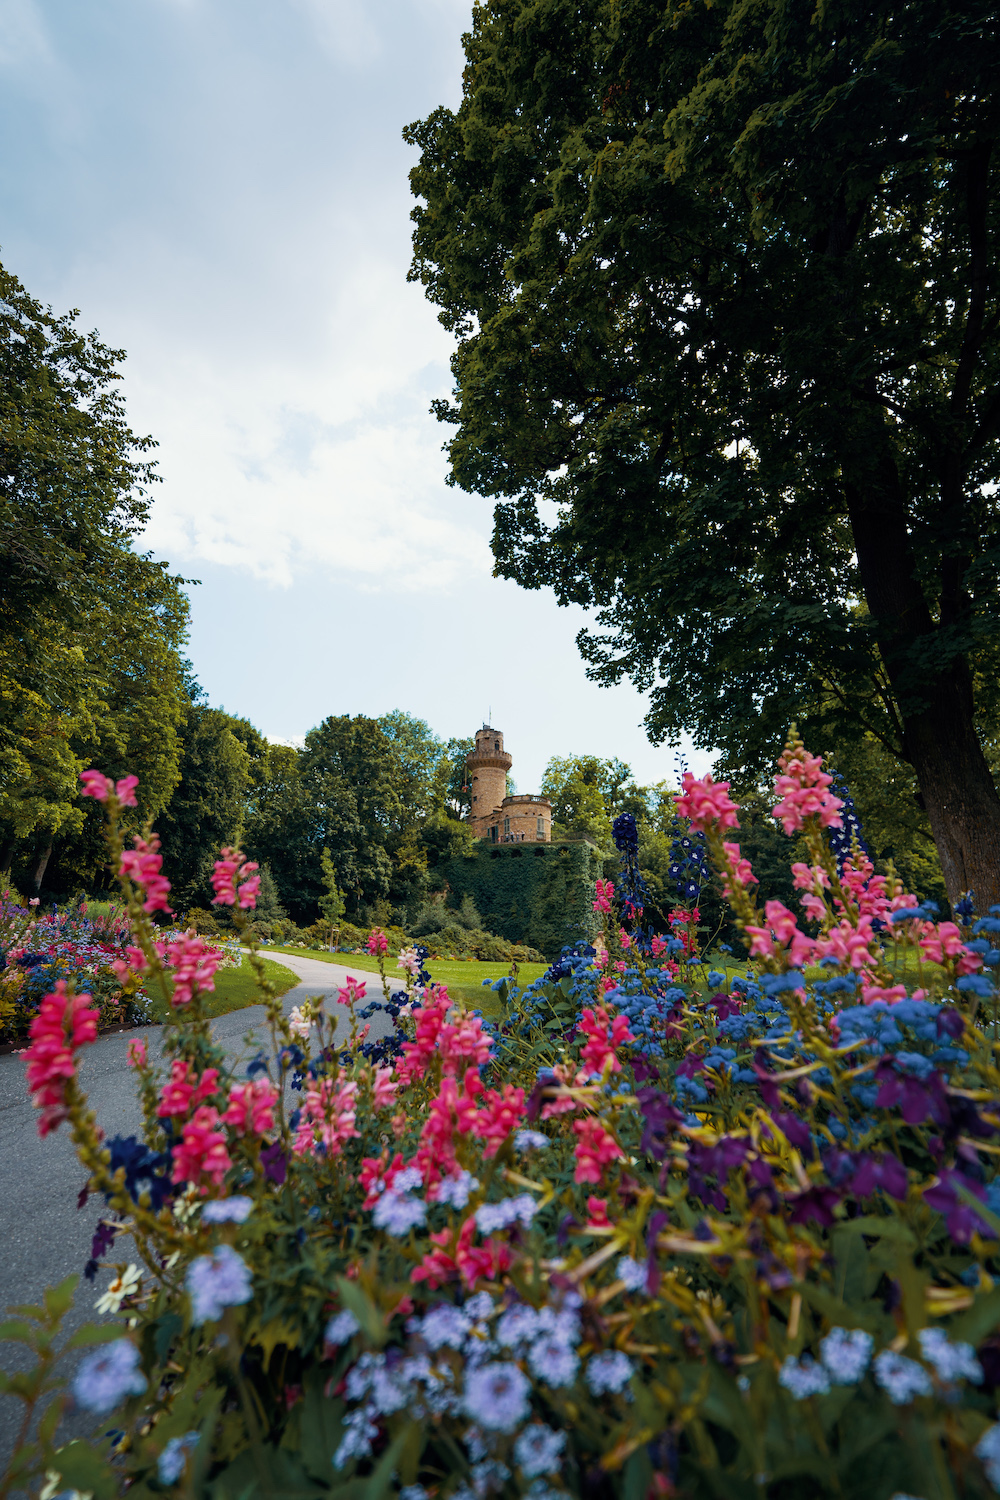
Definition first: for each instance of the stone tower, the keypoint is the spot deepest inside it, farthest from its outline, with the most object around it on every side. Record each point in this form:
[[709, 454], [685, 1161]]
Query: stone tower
[[488, 766], [494, 815]]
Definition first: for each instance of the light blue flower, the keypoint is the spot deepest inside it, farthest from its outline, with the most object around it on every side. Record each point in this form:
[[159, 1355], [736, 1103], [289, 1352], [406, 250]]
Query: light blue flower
[[608, 1371], [170, 1465], [538, 1450], [988, 1450], [803, 1377], [227, 1210], [341, 1327], [456, 1191], [442, 1325], [951, 1361], [902, 1379], [530, 1140], [398, 1213], [553, 1360], [845, 1354], [632, 1272], [496, 1396], [217, 1281], [107, 1376]]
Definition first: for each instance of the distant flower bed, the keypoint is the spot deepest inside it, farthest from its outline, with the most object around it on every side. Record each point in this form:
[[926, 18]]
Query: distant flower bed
[[657, 1231], [88, 950]]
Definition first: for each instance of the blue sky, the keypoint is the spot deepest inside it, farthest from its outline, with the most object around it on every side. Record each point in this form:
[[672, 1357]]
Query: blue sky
[[221, 187]]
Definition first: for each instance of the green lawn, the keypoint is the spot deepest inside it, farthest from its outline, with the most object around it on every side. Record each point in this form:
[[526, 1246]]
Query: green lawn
[[235, 989], [464, 980]]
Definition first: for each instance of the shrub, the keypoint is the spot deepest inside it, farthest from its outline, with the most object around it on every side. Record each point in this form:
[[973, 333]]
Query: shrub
[[662, 1231]]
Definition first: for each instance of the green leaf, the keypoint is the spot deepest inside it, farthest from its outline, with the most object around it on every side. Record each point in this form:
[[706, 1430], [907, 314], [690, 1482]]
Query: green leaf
[[381, 1476], [976, 1322], [322, 1427], [165, 1330], [80, 1467], [59, 1299], [95, 1333], [364, 1309], [18, 1332]]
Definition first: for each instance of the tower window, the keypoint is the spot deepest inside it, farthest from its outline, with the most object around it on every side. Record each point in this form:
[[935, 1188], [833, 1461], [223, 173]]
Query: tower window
[[496, 744], [506, 825], [541, 825]]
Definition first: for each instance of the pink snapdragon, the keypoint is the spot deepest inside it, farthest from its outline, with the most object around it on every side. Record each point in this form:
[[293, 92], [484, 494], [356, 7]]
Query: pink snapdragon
[[327, 1118], [201, 1151], [801, 785], [742, 869], [231, 868], [353, 990], [101, 787], [943, 941], [194, 962], [384, 1088], [595, 1150], [604, 895], [184, 1090], [850, 945], [251, 1107], [143, 865], [706, 803], [135, 1053], [378, 943], [604, 1036], [782, 927], [463, 1041], [63, 1025]]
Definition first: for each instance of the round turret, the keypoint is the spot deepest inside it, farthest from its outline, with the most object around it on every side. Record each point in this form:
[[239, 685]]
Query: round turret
[[488, 765]]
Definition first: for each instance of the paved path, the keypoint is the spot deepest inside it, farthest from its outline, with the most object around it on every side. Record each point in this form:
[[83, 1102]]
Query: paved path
[[43, 1236]]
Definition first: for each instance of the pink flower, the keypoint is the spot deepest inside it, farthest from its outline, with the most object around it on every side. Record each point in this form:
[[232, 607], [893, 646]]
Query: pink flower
[[462, 1040], [597, 1213], [501, 1113], [742, 869], [101, 787], [327, 1118], [62, 1026], [706, 803], [605, 894], [231, 866], [143, 866], [604, 1036], [383, 1088], [353, 990], [849, 944], [872, 992], [183, 1090], [202, 1149], [35, 901], [251, 1107], [194, 962], [378, 943], [135, 1053], [595, 1150], [801, 785]]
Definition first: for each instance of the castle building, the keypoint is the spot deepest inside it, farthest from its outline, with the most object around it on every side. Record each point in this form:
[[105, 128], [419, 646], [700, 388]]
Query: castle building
[[495, 816]]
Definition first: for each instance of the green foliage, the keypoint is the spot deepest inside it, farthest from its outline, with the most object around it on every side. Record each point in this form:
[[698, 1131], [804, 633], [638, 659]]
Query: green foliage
[[332, 904], [538, 894], [90, 632], [206, 811], [724, 283]]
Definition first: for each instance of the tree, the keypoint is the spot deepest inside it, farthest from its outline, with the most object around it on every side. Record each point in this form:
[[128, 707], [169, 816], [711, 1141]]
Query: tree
[[586, 794], [725, 287], [331, 904], [353, 779], [206, 811], [282, 831], [73, 493]]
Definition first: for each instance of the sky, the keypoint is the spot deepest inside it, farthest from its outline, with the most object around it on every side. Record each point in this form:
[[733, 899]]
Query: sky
[[220, 186]]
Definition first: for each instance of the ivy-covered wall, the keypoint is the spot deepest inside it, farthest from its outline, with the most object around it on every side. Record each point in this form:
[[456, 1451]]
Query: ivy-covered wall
[[541, 894]]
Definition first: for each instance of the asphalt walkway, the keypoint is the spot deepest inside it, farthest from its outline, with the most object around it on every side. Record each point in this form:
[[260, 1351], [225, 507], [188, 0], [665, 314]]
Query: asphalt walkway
[[43, 1234]]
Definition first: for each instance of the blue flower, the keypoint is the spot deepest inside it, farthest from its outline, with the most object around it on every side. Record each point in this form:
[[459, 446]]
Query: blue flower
[[217, 1281], [107, 1376], [496, 1395], [227, 1210], [170, 1465], [608, 1371]]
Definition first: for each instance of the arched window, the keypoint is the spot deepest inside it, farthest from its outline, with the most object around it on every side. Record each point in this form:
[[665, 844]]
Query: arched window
[[496, 744], [506, 825]]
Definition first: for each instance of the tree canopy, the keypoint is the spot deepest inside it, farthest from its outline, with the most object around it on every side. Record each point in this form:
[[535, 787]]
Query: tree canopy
[[723, 277]]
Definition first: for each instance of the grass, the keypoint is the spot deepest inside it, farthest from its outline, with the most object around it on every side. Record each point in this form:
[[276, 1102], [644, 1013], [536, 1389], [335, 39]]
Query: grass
[[464, 979], [235, 989]]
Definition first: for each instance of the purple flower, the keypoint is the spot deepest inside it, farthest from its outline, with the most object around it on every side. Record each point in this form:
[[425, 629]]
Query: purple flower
[[275, 1163], [107, 1376], [217, 1281], [661, 1119], [815, 1203], [496, 1396], [919, 1099], [961, 1218]]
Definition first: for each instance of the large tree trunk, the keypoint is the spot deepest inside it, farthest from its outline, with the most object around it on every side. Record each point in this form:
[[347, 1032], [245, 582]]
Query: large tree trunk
[[939, 735]]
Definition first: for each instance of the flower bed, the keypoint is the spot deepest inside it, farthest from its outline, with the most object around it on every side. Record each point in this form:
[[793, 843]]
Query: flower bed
[[634, 1239]]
